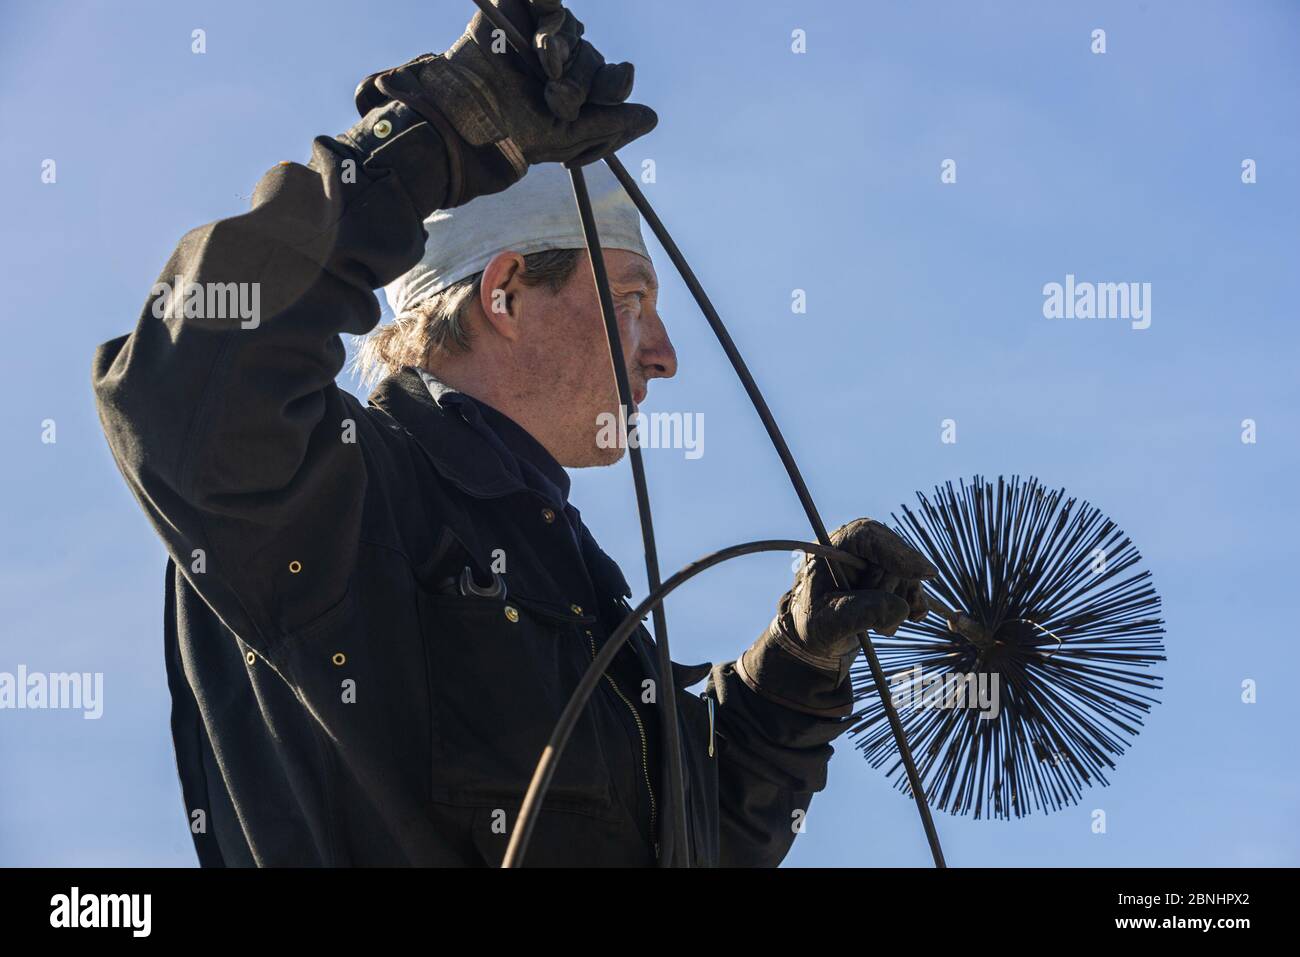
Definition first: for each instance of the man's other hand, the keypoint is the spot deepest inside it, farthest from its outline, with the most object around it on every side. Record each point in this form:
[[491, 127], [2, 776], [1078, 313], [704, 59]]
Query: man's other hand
[[503, 116], [820, 621]]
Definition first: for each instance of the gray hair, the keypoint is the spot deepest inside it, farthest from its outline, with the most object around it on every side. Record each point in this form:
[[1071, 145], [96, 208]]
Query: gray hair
[[437, 323]]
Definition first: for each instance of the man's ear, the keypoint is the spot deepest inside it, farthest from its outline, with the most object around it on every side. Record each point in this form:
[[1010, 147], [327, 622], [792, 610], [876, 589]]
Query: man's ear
[[499, 293]]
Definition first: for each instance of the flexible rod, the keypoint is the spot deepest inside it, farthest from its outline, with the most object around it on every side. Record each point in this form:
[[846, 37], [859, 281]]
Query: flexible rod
[[523, 48], [674, 816], [541, 781], [673, 836], [796, 479]]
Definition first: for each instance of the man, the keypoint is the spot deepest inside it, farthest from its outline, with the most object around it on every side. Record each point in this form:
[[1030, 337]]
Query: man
[[375, 613]]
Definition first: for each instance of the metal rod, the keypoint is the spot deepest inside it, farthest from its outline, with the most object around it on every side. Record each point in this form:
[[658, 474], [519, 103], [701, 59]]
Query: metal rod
[[674, 811], [961, 623], [796, 479], [541, 780], [675, 849], [517, 40]]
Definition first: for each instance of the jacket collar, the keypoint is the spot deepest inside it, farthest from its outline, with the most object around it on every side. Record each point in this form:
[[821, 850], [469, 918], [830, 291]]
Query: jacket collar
[[467, 460], [459, 453]]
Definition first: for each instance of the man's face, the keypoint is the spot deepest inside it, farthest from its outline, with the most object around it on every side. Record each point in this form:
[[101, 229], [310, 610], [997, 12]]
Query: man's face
[[565, 355]]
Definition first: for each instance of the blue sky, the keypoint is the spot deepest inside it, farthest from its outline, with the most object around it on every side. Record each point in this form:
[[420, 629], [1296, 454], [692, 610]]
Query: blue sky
[[775, 171]]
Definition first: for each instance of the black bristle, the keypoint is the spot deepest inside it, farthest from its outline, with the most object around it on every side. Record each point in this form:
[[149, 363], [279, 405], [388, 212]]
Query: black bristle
[[1074, 648]]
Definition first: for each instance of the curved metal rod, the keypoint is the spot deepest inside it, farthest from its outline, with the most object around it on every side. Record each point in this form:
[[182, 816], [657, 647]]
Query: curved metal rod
[[521, 45], [796, 479], [541, 781], [673, 796], [672, 849]]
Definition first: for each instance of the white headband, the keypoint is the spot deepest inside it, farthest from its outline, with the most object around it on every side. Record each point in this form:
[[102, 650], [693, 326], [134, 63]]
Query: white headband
[[535, 214]]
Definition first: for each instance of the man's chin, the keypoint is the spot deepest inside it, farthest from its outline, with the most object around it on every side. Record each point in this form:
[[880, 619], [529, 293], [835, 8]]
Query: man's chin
[[608, 444], [594, 457], [602, 456]]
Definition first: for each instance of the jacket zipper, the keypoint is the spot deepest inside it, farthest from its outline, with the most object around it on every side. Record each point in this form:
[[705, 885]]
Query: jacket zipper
[[645, 745]]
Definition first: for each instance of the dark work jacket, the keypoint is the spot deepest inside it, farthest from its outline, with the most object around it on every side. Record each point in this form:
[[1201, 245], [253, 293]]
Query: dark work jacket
[[334, 702]]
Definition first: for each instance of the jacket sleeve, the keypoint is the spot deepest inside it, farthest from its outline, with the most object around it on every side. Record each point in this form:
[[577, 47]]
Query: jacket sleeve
[[775, 719], [220, 408]]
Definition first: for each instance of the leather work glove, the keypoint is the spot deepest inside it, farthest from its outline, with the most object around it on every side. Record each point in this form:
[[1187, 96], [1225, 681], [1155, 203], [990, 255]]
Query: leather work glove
[[817, 623], [496, 117]]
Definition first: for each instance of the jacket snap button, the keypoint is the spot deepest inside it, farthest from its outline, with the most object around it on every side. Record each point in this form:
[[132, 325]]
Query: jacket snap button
[[383, 128], [339, 658], [250, 658], [295, 567], [512, 614], [548, 515]]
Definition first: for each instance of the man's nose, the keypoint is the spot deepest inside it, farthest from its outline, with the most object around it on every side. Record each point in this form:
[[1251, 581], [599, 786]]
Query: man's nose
[[658, 358]]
